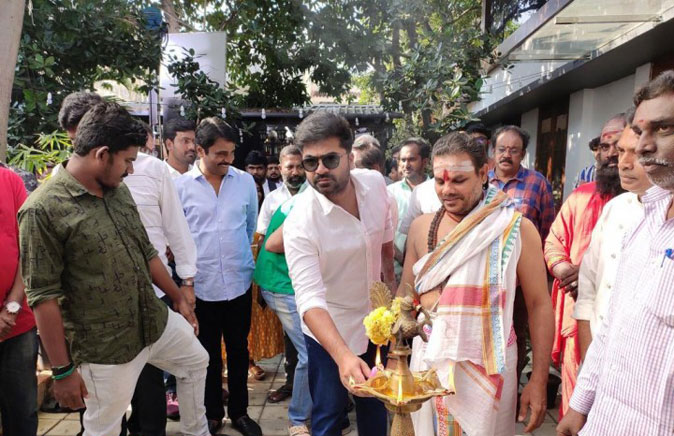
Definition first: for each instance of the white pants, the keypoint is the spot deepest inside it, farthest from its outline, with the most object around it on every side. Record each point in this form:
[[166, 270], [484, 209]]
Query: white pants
[[111, 387]]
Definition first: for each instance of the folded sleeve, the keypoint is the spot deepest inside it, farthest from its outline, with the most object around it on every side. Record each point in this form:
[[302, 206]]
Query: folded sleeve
[[41, 256]]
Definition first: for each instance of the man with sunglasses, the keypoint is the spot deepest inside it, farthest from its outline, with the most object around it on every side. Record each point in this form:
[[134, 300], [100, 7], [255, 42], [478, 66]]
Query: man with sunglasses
[[566, 243], [338, 238]]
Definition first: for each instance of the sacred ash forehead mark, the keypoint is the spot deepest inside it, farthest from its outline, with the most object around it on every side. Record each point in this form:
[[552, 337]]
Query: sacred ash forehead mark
[[463, 166]]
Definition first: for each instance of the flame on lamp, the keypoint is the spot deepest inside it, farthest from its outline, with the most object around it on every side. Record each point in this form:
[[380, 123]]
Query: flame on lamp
[[377, 360]]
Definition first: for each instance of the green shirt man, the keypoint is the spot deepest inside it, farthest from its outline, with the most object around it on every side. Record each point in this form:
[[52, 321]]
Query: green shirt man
[[92, 255]]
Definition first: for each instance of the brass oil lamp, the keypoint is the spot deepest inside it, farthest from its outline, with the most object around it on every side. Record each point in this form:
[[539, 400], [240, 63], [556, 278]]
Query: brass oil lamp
[[401, 390]]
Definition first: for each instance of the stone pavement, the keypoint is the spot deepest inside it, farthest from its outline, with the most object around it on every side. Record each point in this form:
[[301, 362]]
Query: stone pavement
[[271, 417]]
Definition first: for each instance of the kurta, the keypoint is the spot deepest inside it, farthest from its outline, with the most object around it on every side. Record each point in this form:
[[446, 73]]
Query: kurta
[[568, 239]]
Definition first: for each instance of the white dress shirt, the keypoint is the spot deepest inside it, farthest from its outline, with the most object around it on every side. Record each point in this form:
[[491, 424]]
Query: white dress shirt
[[626, 384], [271, 202], [174, 172], [600, 261], [333, 257], [162, 215], [423, 200], [266, 186]]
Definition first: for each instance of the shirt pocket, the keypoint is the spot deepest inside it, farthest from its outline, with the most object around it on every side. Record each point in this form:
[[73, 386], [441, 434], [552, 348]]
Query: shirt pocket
[[660, 295]]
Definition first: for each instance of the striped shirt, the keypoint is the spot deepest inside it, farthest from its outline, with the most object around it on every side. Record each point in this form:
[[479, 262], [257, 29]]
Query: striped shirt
[[533, 197], [626, 385], [586, 175]]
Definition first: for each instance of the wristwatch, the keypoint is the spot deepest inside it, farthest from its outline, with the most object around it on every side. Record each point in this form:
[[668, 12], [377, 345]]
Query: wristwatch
[[12, 307], [188, 282]]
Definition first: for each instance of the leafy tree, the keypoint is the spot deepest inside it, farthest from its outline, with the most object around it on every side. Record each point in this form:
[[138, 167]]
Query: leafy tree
[[421, 56], [274, 44], [504, 12], [206, 97], [68, 45], [426, 56]]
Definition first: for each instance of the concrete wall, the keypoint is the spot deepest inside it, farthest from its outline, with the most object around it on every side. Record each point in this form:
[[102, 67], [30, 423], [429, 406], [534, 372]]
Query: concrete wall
[[589, 109], [529, 122]]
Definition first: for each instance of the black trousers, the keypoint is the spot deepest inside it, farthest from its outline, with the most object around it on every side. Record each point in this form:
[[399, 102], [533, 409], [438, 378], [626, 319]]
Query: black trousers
[[148, 405], [521, 326], [228, 320], [291, 361]]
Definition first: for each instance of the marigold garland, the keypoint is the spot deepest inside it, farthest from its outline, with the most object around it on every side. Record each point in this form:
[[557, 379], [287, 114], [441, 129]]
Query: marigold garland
[[379, 322]]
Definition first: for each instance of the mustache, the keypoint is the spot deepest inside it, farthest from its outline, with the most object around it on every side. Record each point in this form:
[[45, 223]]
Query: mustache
[[654, 161], [318, 178], [295, 180], [506, 159], [608, 161], [453, 197]]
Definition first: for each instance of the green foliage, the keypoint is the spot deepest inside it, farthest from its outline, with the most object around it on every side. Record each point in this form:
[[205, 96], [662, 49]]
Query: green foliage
[[423, 54], [273, 44], [426, 57], [50, 149], [68, 45], [206, 97]]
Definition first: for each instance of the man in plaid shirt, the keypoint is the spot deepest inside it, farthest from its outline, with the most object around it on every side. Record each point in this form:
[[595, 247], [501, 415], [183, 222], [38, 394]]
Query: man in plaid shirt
[[533, 197], [530, 189]]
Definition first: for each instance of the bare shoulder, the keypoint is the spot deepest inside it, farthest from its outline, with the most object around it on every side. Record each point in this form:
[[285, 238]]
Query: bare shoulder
[[418, 233], [421, 224], [532, 247], [529, 232]]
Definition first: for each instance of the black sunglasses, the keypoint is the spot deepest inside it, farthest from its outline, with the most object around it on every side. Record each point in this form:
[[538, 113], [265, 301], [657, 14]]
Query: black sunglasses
[[329, 160]]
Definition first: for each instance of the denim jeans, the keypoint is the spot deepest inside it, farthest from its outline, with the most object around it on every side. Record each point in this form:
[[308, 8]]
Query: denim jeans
[[330, 397], [18, 385], [285, 308]]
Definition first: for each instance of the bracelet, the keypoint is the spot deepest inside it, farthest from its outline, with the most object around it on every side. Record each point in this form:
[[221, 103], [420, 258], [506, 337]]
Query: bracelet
[[62, 372], [64, 375]]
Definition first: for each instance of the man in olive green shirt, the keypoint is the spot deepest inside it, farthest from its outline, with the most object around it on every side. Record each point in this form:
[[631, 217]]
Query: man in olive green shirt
[[89, 266]]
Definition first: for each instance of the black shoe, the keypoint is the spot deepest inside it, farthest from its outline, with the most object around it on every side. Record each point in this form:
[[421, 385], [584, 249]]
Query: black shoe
[[280, 394], [246, 426], [214, 425]]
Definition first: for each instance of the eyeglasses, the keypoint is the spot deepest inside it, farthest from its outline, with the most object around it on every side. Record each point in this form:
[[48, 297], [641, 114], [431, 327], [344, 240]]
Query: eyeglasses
[[511, 151], [329, 160]]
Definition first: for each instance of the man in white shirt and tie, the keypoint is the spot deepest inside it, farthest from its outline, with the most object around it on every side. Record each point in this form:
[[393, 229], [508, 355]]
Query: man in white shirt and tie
[[338, 239]]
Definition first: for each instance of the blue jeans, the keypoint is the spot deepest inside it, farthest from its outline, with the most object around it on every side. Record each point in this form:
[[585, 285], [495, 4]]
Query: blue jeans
[[18, 385], [285, 308], [330, 397]]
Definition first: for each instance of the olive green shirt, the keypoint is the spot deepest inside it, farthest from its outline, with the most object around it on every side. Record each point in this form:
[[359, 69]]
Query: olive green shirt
[[92, 255]]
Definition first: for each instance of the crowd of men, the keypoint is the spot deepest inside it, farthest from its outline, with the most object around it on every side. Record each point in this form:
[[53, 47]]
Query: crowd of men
[[135, 271]]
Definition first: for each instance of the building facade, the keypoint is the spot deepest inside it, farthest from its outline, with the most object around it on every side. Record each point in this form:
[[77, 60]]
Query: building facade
[[569, 67]]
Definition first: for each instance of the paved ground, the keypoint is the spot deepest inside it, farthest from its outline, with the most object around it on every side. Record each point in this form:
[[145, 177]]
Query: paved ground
[[272, 417]]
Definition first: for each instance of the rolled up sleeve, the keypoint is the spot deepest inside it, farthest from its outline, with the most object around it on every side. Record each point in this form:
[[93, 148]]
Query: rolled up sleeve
[[41, 257], [303, 264]]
